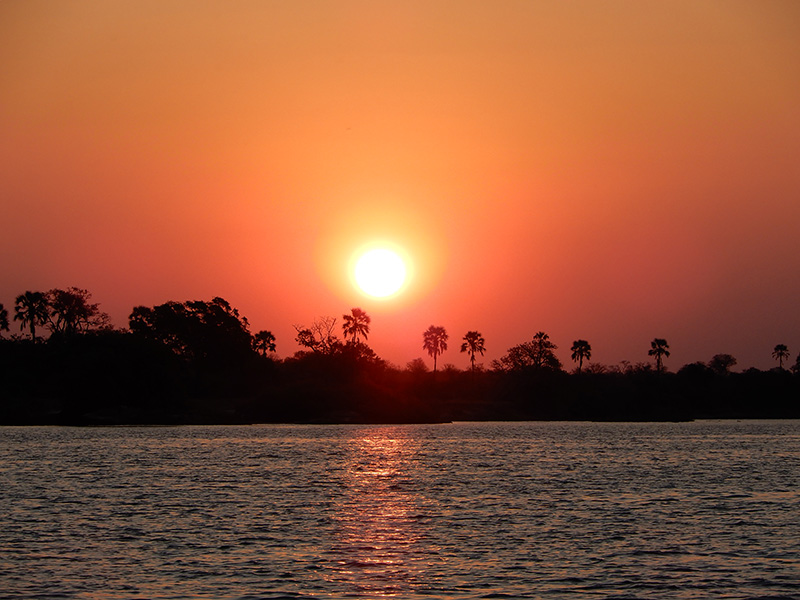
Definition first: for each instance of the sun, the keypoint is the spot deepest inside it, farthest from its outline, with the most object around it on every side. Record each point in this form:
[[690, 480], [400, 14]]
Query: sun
[[380, 272]]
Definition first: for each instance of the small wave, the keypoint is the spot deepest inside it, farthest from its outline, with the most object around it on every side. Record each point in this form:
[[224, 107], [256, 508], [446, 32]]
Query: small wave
[[47, 596], [277, 596], [664, 552], [777, 582], [779, 597], [579, 580]]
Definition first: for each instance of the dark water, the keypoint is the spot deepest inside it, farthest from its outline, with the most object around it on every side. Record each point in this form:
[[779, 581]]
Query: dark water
[[486, 510]]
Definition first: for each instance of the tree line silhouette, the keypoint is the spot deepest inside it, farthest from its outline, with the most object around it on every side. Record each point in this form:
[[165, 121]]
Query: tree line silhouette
[[198, 362]]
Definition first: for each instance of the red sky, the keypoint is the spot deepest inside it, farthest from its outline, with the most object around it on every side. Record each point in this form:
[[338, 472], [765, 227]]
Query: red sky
[[612, 171]]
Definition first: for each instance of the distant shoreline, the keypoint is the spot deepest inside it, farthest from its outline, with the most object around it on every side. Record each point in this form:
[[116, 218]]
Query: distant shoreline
[[198, 363]]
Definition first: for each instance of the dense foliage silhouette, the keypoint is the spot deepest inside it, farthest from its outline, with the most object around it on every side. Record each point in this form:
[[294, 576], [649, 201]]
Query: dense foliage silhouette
[[721, 363], [3, 319], [538, 354], [198, 362]]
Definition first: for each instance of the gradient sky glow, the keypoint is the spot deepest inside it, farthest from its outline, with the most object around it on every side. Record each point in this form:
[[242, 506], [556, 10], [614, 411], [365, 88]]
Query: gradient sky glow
[[613, 171]]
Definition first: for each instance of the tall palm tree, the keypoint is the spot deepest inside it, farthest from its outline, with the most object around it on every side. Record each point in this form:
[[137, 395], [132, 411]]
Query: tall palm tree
[[659, 348], [31, 309], [3, 318], [780, 353], [356, 324], [473, 342], [434, 341], [581, 350]]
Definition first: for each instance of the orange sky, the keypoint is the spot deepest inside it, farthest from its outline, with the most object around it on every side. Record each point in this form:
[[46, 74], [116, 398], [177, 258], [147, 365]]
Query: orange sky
[[612, 171]]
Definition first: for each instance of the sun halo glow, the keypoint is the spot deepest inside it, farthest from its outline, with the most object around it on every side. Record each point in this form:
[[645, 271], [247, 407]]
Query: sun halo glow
[[380, 272]]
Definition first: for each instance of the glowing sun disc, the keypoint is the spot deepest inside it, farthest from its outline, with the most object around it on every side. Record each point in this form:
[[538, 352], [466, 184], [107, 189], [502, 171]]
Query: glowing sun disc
[[380, 272]]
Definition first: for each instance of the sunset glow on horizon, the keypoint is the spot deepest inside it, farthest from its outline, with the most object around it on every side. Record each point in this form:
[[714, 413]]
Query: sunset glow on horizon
[[609, 171]]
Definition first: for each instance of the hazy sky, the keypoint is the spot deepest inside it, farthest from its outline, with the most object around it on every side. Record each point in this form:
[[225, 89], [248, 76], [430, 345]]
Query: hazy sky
[[613, 171]]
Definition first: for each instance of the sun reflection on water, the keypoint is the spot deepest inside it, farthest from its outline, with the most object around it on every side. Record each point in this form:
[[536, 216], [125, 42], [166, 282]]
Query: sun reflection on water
[[380, 517]]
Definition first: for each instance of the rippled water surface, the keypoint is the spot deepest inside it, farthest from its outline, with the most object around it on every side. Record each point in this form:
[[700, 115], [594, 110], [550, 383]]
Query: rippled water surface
[[465, 510]]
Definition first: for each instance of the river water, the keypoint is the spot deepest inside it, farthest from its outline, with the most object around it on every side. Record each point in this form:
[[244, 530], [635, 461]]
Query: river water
[[454, 511]]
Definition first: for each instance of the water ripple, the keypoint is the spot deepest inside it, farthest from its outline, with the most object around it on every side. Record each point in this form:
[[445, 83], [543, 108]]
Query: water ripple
[[449, 512]]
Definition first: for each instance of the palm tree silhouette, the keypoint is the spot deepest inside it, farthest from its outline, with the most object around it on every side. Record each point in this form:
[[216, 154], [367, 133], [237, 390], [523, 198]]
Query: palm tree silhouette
[[581, 350], [473, 342], [659, 348], [434, 340], [31, 309], [780, 353], [543, 352], [356, 324], [264, 342]]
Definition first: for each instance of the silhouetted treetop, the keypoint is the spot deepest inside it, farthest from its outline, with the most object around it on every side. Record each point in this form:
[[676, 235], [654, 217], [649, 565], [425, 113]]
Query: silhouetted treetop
[[72, 312], [659, 348], [3, 319], [581, 350], [780, 353], [473, 343], [360, 353], [196, 330], [417, 366], [356, 325], [721, 363], [539, 353], [434, 342], [63, 312], [31, 310], [264, 342], [320, 337]]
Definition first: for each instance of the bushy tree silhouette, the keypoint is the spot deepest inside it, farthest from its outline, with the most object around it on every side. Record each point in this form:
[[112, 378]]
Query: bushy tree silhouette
[[721, 363], [320, 337], [416, 366], [659, 348], [3, 319], [581, 350], [72, 312], [202, 332], [434, 342], [543, 351], [473, 343], [537, 354], [305, 337]]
